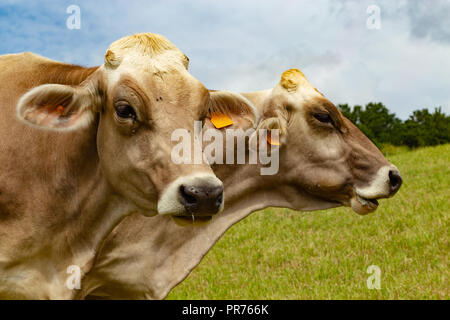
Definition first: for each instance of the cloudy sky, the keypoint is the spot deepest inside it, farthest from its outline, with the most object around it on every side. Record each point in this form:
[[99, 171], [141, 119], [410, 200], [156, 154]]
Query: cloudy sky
[[245, 45]]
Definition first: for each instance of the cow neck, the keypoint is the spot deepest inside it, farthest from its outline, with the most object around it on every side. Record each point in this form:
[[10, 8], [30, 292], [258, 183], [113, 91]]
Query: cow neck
[[242, 180], [69, 227], [94, 214], [185, 251]]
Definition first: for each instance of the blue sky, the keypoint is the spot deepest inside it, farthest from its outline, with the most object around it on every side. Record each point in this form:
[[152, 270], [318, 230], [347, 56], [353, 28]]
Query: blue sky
[[245, 45]]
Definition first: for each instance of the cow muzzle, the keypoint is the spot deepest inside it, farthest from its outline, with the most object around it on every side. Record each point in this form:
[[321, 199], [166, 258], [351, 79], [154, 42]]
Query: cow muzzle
[[193, 200], [205, 200], [386, 183]]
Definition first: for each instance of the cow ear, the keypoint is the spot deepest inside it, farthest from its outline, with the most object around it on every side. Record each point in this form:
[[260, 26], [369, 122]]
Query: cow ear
[[57, 107], [276, 130], [274, 124], [230, 110]]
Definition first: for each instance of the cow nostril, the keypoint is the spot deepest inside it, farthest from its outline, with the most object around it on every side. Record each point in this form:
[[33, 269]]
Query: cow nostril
[[201, 200], [219, 200], [395, 181], [187, 196]]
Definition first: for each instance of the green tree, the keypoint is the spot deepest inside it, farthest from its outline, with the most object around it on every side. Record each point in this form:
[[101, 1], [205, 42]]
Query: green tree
[[381, 126], [426, 129]]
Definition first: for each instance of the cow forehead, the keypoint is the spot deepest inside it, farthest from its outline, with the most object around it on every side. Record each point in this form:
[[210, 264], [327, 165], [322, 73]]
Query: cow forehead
[[142, 67], [142, 54], [167, 61], [144, 44], [299, 99]]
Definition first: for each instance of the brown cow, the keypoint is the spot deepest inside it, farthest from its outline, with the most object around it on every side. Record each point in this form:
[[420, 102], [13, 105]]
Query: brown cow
[[325, 162], [105, 152]]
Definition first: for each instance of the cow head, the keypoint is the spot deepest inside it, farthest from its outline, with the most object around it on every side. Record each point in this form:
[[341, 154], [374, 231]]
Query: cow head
[[324, 160], [137, 98]]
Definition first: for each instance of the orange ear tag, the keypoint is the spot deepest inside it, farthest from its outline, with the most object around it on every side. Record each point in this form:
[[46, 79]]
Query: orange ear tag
[[59, 109], [221, 120], [274, 142]]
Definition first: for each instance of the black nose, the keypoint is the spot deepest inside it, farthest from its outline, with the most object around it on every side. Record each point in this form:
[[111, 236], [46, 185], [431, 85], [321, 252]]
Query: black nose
[[395, 181], [202, 200]]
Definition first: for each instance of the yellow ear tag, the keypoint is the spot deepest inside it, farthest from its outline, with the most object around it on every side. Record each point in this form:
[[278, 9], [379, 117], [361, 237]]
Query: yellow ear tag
[[221, 120], [274, 142]]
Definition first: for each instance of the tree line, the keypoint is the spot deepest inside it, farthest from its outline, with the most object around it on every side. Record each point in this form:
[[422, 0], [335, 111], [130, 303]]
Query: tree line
[[422, 128]]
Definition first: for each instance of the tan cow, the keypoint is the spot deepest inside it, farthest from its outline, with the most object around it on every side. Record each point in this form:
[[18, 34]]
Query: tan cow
[[325, 162], [81, 148]]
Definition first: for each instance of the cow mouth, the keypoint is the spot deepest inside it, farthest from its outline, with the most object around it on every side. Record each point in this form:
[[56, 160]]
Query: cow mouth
[[363, 205], [191, 220]]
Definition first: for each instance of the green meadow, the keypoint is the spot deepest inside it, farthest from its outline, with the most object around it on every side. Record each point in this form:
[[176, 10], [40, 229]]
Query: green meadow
[[283, 254]]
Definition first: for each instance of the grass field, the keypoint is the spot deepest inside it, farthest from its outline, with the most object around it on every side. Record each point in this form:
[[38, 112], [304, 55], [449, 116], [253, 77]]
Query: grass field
[[282, 254]]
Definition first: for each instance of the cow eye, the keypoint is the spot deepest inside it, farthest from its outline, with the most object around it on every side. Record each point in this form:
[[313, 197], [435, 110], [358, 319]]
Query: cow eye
[[125, 111], [323, 117]]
